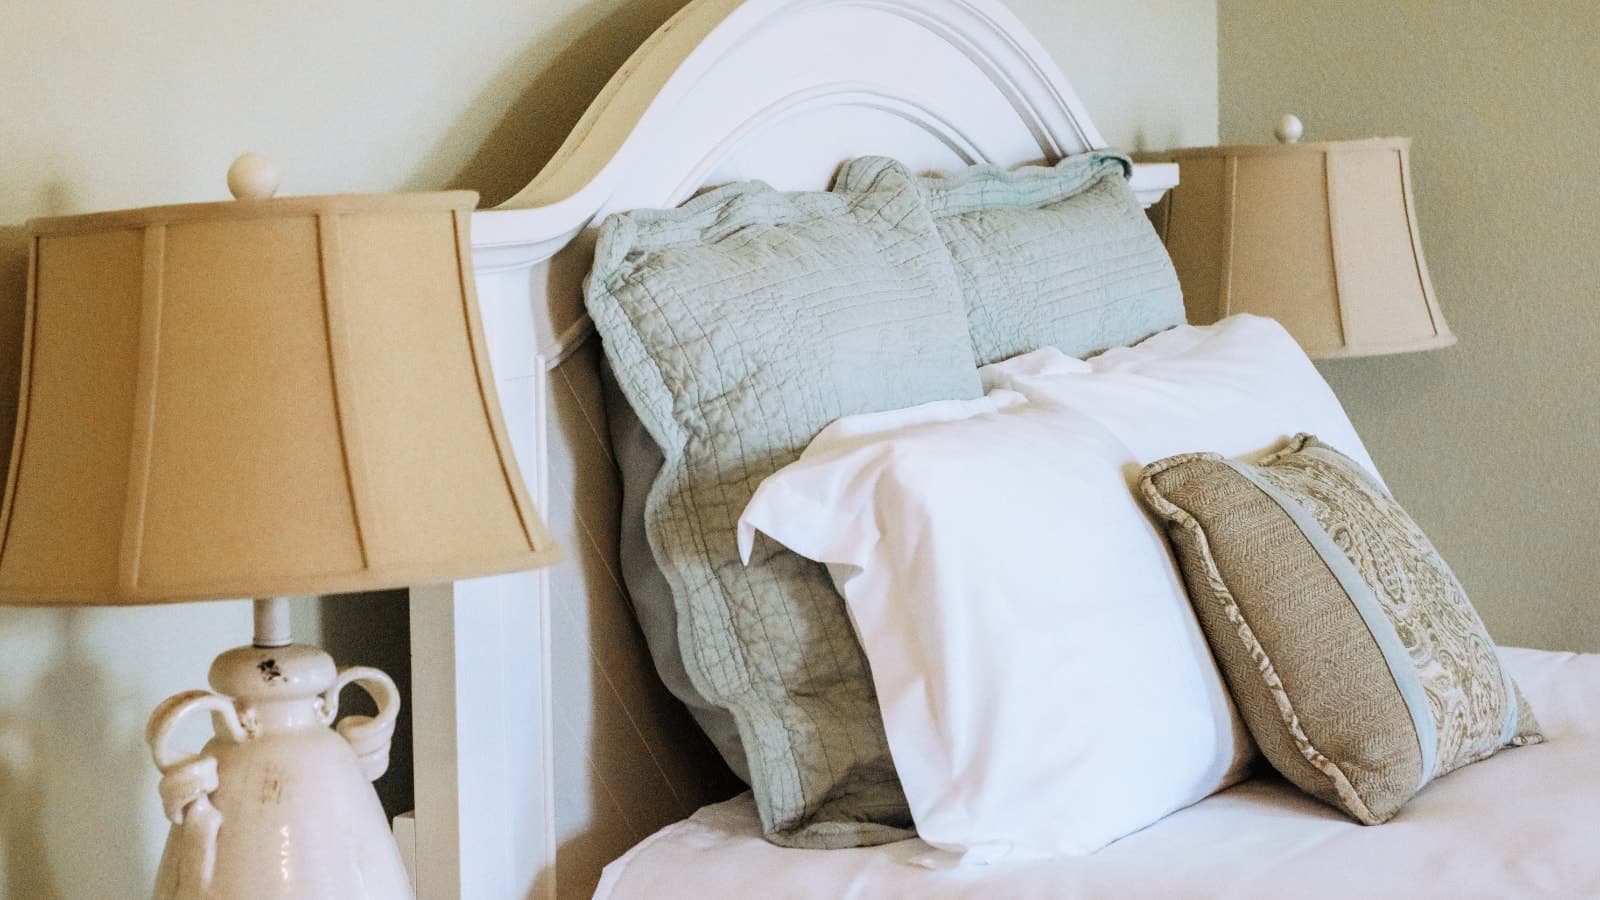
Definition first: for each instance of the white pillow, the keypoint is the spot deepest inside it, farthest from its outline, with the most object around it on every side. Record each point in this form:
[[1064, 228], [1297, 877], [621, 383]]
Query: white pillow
[[1238, 388], [1044, 685]]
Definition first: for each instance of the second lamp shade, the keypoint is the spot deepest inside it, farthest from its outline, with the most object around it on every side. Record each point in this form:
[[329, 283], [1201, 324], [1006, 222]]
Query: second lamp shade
[[1321, 237]]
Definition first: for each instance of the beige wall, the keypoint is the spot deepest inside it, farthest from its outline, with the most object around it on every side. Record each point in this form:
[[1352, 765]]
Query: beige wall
[[118, 104], [1492, 444], [1145, 69]]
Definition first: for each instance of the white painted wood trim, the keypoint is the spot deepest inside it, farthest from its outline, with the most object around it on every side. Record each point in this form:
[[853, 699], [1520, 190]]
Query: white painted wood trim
[[483, 762], [543, 742], [481, 826], [1151, 181], [405, 836], [508, 239]]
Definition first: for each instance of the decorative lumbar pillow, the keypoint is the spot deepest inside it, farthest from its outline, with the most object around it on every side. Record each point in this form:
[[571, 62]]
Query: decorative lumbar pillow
[[1044, 684], [1348, 644], [737, 327], [1054, 256]]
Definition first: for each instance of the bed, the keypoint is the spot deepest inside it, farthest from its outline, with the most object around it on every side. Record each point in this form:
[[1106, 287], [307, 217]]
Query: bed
[[1474, 834], [547, 749]]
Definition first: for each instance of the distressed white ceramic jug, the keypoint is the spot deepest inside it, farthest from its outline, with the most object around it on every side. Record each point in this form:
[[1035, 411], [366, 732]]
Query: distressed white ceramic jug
[[278, 804]]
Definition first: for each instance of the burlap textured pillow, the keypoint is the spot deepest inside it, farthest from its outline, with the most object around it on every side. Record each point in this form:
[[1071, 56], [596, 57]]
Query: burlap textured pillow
[[1351, 650]]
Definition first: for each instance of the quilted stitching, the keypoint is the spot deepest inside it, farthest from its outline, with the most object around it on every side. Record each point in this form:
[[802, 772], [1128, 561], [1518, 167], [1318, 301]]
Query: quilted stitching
[[1058, 256], [738, 326]]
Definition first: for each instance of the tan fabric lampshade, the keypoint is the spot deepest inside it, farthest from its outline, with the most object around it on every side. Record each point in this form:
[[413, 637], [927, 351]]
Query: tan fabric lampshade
[[255, 398], [1321, 237]]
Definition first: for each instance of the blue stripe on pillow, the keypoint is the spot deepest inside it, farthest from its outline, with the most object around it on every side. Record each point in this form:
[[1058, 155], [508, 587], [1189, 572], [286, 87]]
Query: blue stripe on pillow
[[1406, 677]]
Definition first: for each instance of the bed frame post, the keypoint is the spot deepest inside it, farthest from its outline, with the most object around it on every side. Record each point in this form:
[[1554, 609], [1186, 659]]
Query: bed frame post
[[476, 834], [481, 677]]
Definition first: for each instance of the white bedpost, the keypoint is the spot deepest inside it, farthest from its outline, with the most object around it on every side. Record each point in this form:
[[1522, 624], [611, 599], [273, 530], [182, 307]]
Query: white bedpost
[[480, 714], [483, 825]]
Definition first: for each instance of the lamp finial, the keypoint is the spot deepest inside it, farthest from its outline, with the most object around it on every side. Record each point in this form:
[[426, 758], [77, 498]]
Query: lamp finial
[[252, 177], [1289, 129]]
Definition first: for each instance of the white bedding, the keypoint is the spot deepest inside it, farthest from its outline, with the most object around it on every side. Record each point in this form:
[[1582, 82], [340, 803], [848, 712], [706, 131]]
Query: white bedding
[[1030, 567], [1525, 823]]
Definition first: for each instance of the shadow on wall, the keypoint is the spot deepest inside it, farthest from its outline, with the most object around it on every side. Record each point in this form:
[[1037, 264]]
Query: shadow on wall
[[71, 729], [13, 301], [574, 60], [613, 712], [571, 61], [66, 737], [554, 79], [374, 629]]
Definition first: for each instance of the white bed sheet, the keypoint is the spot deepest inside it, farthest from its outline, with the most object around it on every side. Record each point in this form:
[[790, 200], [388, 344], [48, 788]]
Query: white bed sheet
[[1525, 823]]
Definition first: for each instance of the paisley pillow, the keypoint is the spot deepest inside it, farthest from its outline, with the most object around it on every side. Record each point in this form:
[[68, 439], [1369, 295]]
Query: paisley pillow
[[1353, 654]]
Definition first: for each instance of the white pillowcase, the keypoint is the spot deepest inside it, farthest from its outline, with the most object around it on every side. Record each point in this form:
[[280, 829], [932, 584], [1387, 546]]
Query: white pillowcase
[[1238, 388], [1044, 685]]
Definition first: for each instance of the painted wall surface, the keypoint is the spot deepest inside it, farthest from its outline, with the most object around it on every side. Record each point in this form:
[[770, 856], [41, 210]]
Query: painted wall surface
[[1491, 444], [113, 105]]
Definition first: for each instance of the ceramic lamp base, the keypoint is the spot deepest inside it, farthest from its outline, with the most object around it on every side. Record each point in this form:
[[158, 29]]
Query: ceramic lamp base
[[278, 804]]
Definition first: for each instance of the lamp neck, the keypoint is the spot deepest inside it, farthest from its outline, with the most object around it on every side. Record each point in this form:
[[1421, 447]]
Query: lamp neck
[[272, 622]]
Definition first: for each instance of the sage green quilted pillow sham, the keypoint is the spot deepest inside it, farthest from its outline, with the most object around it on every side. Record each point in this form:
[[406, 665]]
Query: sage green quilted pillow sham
[[737, 327], [1350, 648], [1054, 256]]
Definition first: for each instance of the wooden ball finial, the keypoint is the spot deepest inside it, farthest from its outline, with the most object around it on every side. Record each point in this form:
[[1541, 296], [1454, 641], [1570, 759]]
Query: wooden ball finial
[[1289, 129], [252, 177]]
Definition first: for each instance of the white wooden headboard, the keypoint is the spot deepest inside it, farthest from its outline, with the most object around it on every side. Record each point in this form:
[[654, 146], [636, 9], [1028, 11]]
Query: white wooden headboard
[[544, 744]]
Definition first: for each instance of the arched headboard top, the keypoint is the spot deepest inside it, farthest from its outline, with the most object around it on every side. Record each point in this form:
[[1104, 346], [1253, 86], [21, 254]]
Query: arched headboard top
[[785, 90]]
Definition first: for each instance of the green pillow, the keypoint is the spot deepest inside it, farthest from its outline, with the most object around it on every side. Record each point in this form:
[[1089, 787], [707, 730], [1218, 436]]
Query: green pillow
[[1351, 650], [737, 327], [1060, 256]]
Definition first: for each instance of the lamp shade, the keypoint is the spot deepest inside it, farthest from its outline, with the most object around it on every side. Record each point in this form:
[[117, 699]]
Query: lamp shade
[[257, 398], [1322, 237]]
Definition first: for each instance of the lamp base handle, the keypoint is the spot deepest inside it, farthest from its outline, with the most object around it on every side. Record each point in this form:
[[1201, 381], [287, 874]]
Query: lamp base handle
[[278, 804]]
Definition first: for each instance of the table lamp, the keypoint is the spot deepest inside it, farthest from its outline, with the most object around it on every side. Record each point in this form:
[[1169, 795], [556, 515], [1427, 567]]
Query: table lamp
[[262, 398], [1322, 237]]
